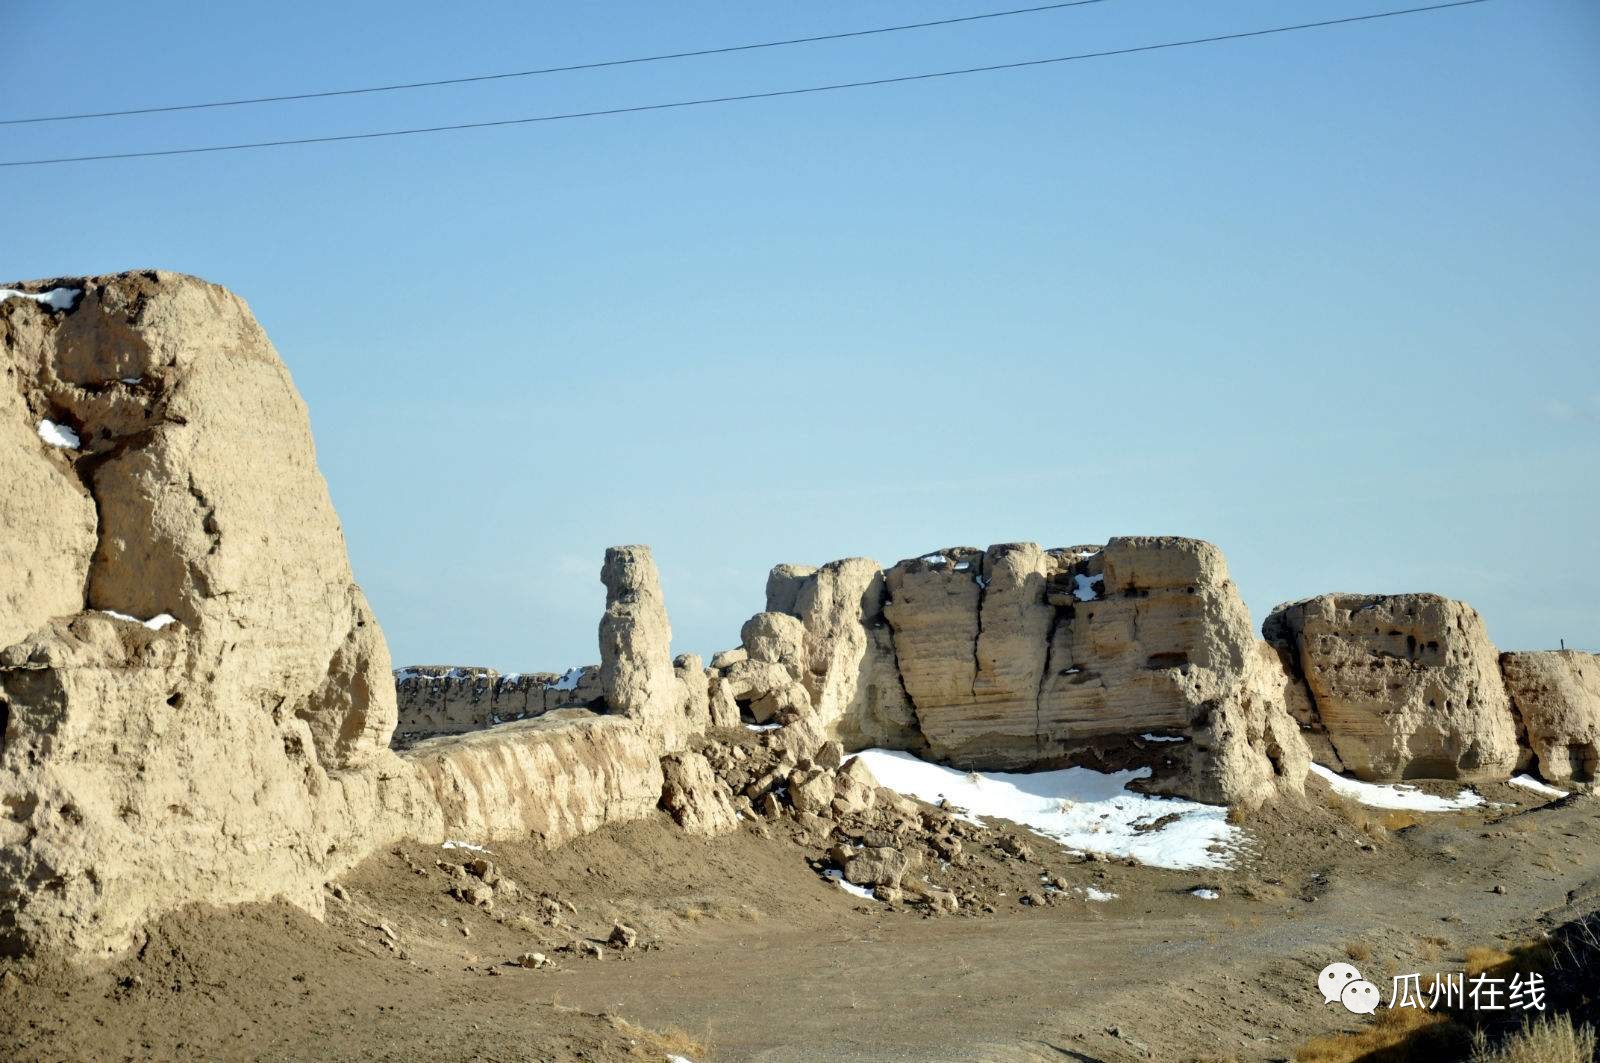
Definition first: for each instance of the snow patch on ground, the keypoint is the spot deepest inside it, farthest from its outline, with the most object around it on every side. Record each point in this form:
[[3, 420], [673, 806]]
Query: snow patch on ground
[[1395, 795], [1098, 895], [1163, 738], [1528, 782], [453, 844], [1084, 587], [934, 559], [59, 435], [848, 886], [1205, 894], [55, 298], [155, 623], [1078, 807], [762, 726]]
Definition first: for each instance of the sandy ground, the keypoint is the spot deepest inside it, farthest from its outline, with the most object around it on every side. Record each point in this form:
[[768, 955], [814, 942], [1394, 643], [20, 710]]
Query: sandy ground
[[746, 954]]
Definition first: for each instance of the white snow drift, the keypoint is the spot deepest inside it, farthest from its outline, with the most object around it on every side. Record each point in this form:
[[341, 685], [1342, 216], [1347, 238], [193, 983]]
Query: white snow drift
[[55, 298], [59, 435], [1078, 807], [1395, 795], [1528, 782], [155, 623]]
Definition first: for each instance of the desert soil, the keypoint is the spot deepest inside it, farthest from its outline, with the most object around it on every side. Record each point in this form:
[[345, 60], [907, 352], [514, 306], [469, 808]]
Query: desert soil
[[746, 953]]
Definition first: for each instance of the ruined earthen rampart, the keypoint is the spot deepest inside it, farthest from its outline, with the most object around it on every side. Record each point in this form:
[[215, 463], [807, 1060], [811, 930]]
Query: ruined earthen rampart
[[197, 704]]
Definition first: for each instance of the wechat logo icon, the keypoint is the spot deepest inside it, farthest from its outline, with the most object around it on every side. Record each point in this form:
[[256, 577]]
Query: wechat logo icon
[[1343, 983]]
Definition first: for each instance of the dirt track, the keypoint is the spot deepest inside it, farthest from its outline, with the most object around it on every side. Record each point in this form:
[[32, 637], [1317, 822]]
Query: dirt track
[[758, 959]]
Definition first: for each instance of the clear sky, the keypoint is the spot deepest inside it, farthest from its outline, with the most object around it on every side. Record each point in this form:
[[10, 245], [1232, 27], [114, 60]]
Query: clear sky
[[1329, 299]]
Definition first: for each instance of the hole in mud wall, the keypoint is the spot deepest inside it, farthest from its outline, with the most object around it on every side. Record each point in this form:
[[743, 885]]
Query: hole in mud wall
[[1167, 660], [1433, 768], [1583, 759], [1275, 758], [744, 709], [5, 723]]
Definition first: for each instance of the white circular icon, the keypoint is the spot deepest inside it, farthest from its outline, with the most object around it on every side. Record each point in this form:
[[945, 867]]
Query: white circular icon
[[1334, 978], [1360, 997]]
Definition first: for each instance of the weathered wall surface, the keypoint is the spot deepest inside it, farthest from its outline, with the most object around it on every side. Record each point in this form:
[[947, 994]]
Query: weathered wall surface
[[442, 699], [1017, 657], [1152, 637], [639, 677], [850, 670], [236, 746], [1405, 685], [1556, 695], [551, 778]]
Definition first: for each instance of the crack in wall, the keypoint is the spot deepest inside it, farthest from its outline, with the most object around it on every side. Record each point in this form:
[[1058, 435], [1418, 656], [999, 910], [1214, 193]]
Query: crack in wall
[[981, 578], [1045, 673]]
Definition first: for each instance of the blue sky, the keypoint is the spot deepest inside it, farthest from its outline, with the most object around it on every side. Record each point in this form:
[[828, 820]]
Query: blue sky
[[1329, 299]]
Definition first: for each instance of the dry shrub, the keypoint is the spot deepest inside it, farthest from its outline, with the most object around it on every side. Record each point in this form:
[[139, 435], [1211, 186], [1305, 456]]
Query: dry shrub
[[676, 1041], [1480, 959], [657, 1044], [1358, 951], [1256, 890], [701, 911], [1525, 957], [1430, 949], [1397, 819], [1547, 1040], [1376, 823], [1396, 1035]]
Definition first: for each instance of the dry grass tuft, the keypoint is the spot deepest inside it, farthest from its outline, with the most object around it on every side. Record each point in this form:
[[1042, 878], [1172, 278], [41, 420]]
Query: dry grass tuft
[[1430, 949], [1256, 890], [1397, 819], [717, 911], [1480, 959], [1376, 823], [1397, 1035], [657, 1044], [1358, 951], [1547, 1040], [1525, 957]]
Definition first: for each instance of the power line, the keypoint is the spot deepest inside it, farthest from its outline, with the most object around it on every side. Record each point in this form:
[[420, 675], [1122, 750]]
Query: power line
[[551, 69], [774, 94]]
